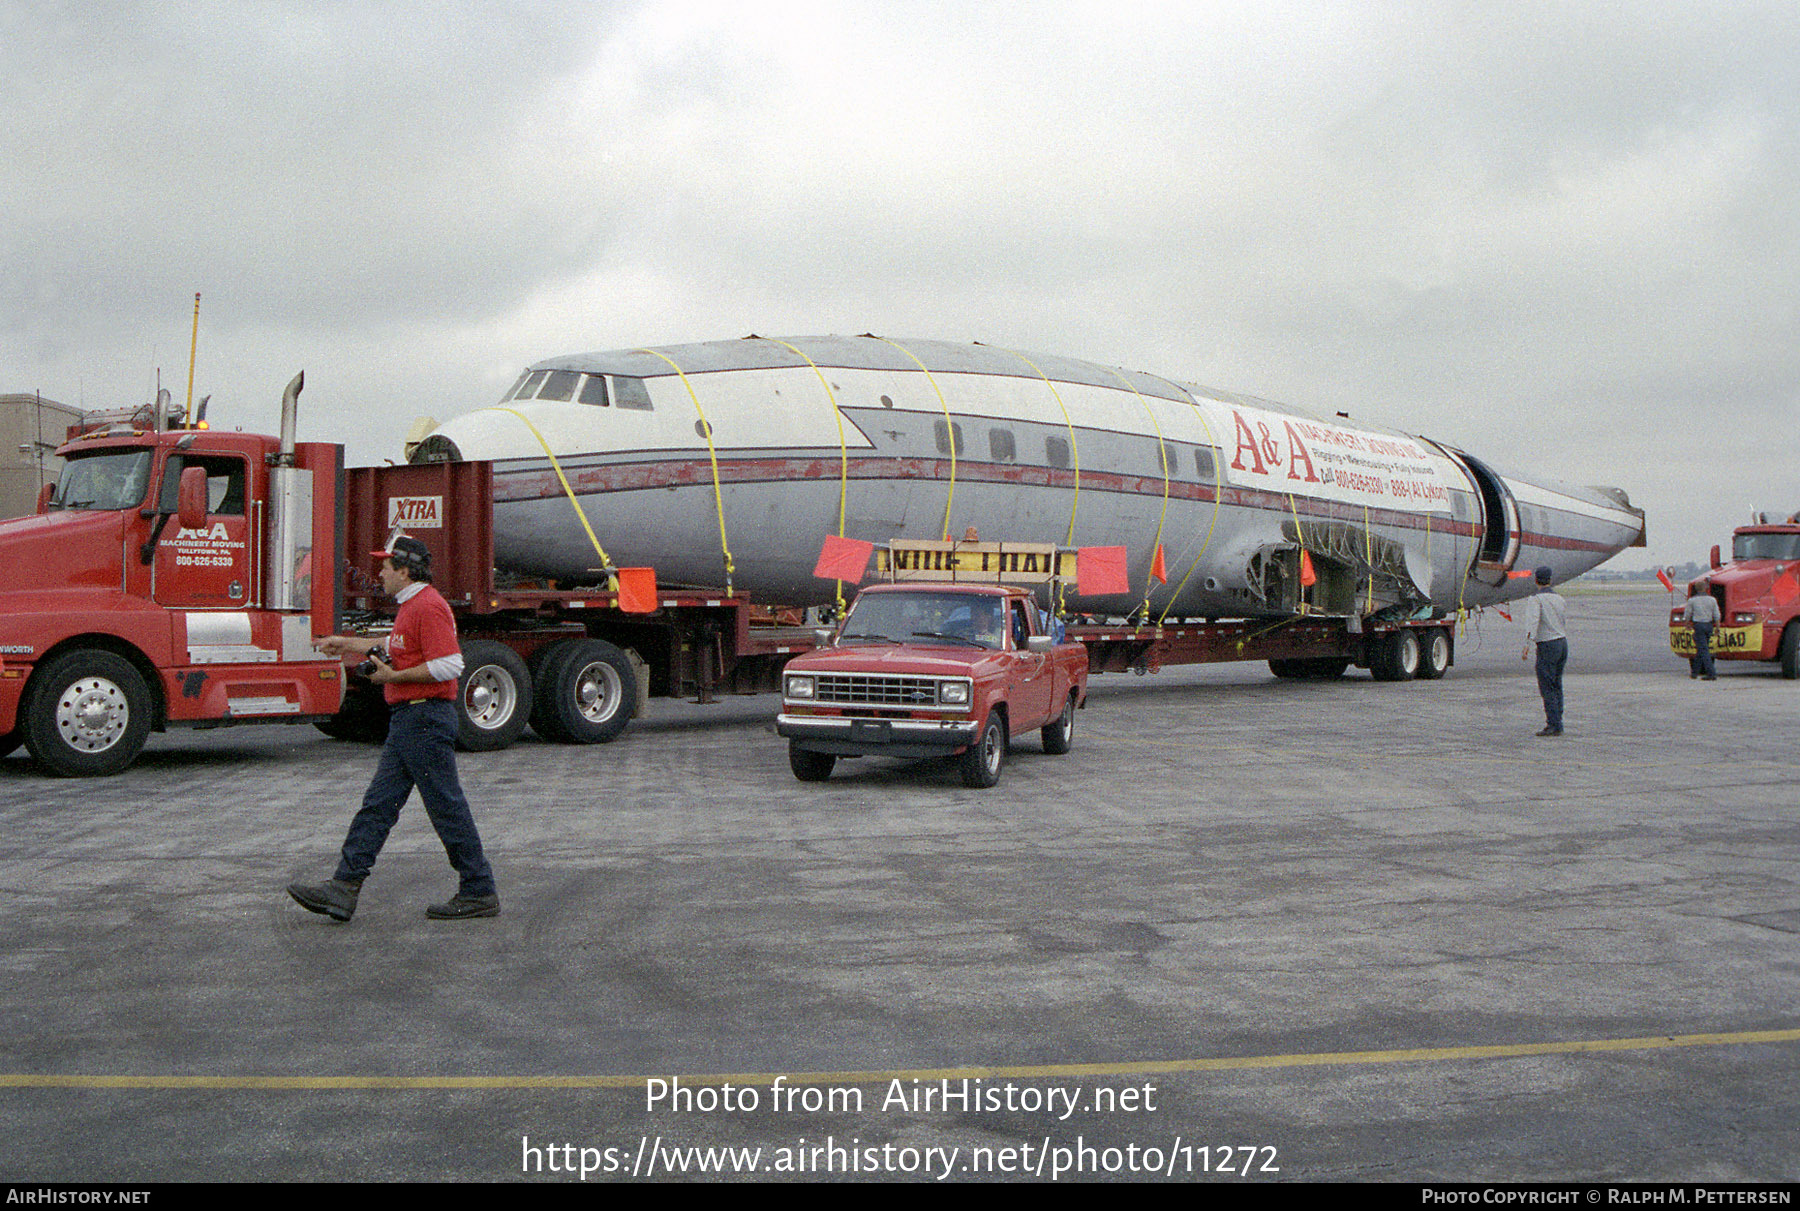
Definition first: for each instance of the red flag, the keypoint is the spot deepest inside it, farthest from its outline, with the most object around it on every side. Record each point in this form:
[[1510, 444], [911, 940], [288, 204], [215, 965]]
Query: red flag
[[1521, 574], [637, 590], [843, 559], [1100, 571], [1662, 574], [1307, 575], [1157, 569], [1786, 587]]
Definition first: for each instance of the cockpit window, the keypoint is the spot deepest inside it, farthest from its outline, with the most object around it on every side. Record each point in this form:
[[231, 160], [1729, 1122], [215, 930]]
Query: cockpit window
[[111, 479], [593, 391], [630, 393], [528, 386], [513, 391], [1765, 546], [559, 386]]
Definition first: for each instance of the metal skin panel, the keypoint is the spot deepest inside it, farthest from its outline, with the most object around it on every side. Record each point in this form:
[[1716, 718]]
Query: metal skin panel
[[1247, 481]]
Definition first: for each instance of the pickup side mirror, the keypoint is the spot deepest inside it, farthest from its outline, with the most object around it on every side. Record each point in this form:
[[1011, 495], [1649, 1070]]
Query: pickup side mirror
[[1715, 557], [44, 495], [822, 637], [1039, 643], [190, 501]]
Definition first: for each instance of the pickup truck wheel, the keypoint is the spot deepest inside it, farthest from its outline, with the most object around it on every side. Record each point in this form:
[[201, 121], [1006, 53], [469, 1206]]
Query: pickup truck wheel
[[87, 714], [1790, 651], [980, 763], [1060, 734], [809, 766], [11, 741], [1434, 657], [586, 688], [493, 697]]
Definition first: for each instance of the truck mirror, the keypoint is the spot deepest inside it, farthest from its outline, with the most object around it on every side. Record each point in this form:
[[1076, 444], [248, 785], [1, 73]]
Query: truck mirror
[[1715, 557], [822, 637], [1039, 643], [190, 506], [44, 495]]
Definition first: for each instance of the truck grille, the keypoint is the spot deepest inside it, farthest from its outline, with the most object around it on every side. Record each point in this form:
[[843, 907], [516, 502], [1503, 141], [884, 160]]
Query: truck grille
[[863, 690]]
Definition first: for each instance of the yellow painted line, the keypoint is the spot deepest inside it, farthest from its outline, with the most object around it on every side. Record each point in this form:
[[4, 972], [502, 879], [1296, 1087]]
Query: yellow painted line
[[1322, 1059]]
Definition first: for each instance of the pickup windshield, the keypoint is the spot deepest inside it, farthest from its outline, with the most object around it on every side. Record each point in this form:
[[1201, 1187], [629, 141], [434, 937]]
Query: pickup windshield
[[105, 479], [1765, 546], [956, 618]]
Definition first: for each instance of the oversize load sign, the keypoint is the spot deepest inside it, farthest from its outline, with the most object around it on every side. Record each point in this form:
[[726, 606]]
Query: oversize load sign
[[416, 512], [974, 562], [1283, 453], [1726, 641]]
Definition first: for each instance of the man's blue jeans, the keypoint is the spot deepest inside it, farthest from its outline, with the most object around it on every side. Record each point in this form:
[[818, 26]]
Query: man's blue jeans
[[421, 752], [1552, 655]]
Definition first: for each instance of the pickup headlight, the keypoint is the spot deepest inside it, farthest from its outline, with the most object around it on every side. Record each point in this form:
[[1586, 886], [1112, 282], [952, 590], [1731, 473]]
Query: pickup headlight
[[954, 693], [799, 687]]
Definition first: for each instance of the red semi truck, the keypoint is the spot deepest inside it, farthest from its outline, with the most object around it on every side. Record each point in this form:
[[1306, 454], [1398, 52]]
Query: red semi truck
[[178, 576], [1758, 594]]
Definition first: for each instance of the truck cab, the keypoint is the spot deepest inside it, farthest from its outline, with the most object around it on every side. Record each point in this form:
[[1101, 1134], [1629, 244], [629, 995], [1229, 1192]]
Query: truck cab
[[924, 670], [1758, 592], [166, 579]]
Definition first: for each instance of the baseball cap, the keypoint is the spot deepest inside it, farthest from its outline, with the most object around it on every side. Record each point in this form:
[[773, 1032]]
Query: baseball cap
[[406, 551]]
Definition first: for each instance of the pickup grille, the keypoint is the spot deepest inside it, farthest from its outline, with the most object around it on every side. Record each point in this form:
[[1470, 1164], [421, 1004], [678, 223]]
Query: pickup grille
[[858, 689]]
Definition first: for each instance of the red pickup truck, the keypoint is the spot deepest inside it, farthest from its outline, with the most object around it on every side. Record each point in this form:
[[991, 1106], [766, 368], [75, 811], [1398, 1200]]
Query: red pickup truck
[[922, 670]]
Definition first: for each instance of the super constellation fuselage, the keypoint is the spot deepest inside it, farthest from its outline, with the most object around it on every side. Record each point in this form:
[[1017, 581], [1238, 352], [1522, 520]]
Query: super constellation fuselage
[[731, 460]]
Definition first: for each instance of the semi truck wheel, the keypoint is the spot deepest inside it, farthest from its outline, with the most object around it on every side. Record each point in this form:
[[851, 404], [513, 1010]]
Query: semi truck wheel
[[493, 697], [1790, 651], [1059, 735], [87, 714], [981, 762], [809, 766], [363, 718], [586, 688], [1434, 660], [1396, 657]]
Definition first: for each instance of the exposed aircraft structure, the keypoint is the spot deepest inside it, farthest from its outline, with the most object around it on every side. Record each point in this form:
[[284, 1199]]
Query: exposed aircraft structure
[[730, 461]]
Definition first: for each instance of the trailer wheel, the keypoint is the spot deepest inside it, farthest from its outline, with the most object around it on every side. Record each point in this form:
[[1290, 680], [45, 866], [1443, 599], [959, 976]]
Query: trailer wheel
[[87, 714], [981, 762], [1327, 668], [1288, 669], [585, 691], [493, 697], [1059, 734], [1790, 651], [1396, 657], [809, 766], [1434, 659]]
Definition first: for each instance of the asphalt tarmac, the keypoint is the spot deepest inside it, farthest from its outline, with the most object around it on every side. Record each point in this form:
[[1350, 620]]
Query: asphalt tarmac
[[1314, 931]]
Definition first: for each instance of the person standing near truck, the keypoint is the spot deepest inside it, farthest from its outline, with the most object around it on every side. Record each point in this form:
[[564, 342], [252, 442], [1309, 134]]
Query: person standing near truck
[[1547, 626], [1702, 609], [418, 670]]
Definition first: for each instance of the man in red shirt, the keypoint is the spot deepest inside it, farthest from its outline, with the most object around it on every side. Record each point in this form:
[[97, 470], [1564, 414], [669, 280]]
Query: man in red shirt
[[417, 667]]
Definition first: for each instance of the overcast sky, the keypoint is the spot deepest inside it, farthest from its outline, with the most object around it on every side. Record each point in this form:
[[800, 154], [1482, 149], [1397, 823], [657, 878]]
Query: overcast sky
[[1565, 236]]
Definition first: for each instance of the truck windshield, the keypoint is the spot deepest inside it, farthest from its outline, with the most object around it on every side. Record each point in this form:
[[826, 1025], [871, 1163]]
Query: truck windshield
[[1765, 546], [105, 479], [968, 619]]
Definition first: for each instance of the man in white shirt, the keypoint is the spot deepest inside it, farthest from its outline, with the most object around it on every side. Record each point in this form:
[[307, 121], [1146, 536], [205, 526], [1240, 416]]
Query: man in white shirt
[[1702, 609], [1546, 625]]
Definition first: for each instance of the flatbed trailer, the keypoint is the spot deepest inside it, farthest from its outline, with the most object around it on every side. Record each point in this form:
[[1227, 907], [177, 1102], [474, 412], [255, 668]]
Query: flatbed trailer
[[1302, 647]]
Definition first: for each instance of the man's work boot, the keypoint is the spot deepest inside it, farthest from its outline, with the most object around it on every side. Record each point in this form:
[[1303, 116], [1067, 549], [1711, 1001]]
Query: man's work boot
[[334, 897], [463, 907]]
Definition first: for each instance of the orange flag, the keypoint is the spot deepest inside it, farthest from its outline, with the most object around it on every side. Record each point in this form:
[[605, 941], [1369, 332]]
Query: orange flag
[[637, 590], [1100, 571], [1308, 577], [843, 559], [1157, 569]]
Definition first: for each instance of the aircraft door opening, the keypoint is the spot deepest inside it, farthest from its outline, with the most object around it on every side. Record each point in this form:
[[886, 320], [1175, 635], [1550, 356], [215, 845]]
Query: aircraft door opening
[[1499, 515]]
